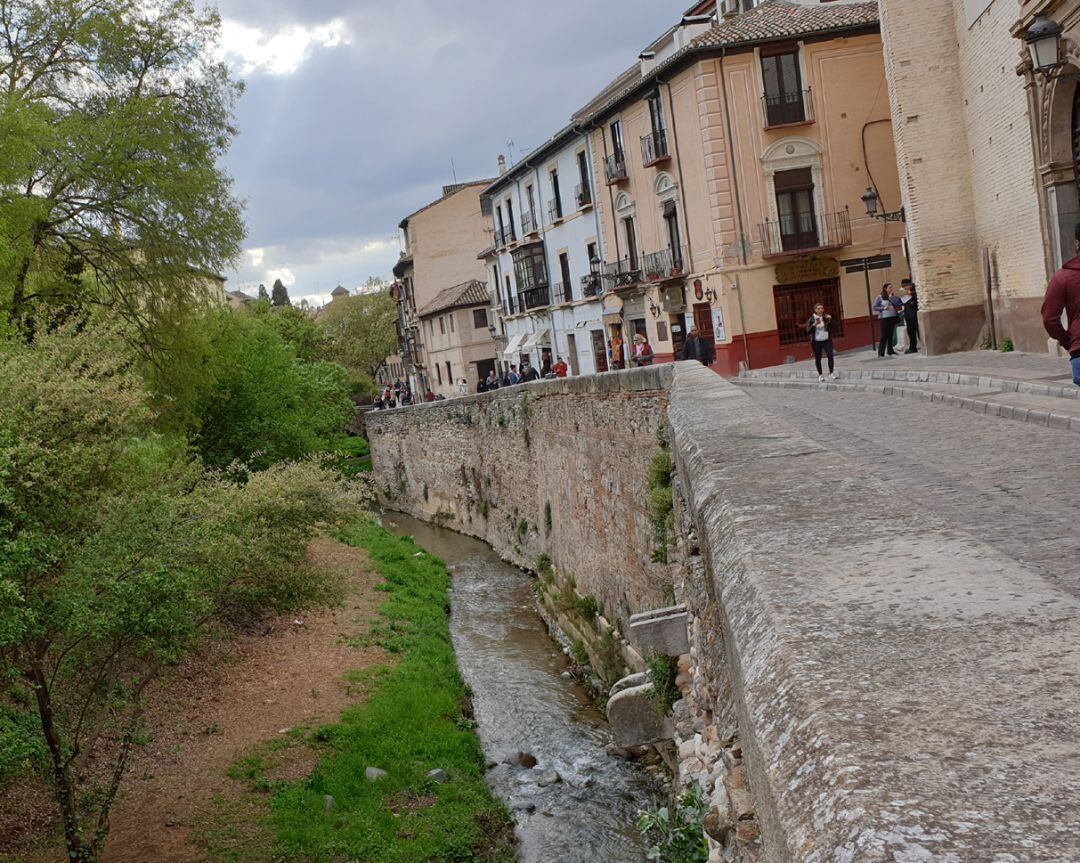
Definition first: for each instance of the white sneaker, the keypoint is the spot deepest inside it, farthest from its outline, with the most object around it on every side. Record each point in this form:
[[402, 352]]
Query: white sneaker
[[833, 377], [821, 379]]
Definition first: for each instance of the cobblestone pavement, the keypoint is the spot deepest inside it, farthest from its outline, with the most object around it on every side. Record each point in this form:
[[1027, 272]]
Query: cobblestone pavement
[[1012, 485]]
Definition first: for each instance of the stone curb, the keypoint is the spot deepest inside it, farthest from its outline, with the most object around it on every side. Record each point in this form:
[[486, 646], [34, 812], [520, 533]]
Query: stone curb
[[1050, 419], [963, 379]]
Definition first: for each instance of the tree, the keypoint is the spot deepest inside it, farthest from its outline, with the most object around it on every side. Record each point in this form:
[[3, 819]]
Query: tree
[[120, 553], [299, 329], [115, 117], [279, 296], [373, 285], [262, 293], [362, 332]]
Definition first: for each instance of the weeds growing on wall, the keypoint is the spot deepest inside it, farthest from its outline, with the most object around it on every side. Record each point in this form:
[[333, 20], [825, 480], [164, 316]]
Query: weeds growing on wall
[[661, 504], [677, 831], [662, 671], [1007, 346]]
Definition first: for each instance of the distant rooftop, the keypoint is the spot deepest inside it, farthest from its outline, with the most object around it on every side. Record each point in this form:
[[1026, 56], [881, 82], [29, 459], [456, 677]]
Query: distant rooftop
[[471, 293]]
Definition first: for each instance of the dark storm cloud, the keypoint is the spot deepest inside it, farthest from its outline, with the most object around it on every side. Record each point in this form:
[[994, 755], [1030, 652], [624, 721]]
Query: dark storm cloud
[[331, 156]]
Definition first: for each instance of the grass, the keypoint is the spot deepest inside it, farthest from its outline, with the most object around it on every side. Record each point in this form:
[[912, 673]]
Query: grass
[[416, 717], [350, 455]]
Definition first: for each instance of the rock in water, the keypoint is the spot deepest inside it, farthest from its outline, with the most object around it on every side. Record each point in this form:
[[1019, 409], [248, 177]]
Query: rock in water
[[549, 778], [526, 760], [374, 774]]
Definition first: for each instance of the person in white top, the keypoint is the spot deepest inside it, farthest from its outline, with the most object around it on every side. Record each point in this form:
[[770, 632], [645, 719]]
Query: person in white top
[[820, 328], [463, 387]]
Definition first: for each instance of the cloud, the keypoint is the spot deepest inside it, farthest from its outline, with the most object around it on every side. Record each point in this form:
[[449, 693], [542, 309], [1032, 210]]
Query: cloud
[[284, 273], [251, 49], [257, 256]]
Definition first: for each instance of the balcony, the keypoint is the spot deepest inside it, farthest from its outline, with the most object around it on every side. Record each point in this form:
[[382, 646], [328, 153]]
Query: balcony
[[528, 224], [535, 298], [654, 148], [502, 237], [561, 292], [591, 286], [803, 235], [555, 214], [583, 196], [663, 265], [615, 168], [621, 274], [787, 109]]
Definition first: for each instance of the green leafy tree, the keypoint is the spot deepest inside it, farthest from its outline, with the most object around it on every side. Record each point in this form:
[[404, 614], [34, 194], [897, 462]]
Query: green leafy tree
[[260, 404], [262, 293], [119, 553], [113, 120], [362, 333], [279, 295], [298, 328]]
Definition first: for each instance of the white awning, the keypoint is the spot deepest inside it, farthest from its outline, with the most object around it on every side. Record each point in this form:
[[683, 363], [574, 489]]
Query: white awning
[[540, 337], [515, 343]]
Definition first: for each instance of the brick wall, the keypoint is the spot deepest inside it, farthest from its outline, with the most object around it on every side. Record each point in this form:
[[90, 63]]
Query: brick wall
[[491, 466]]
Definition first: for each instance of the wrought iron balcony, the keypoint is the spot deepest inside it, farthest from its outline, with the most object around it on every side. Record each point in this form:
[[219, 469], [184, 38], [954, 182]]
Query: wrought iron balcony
[[615, 168], [561, 292], [665, 264], [621, 274], [528, 224], [555, 214], [502, 237], [785, 109], [654, 148], [535, 298], [583, 196], [805, 234], [591, 286]]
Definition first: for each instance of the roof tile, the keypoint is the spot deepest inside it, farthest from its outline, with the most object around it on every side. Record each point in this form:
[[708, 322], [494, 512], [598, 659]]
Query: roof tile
[[472, 293]]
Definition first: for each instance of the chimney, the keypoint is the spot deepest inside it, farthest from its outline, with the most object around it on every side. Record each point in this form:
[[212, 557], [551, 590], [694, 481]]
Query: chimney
[[691, 27], [647, 59], [502, 164]]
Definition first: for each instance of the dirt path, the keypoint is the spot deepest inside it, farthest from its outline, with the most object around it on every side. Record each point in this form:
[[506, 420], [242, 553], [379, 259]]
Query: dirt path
[[289, 674]]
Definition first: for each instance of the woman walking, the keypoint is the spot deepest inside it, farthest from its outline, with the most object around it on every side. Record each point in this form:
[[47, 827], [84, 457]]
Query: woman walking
[[888, 308], [820, 330]]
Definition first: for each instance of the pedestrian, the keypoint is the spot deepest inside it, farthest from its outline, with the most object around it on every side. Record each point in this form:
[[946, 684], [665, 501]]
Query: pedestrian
[[492, 381], [545, 367], [406, 396], [481, 385], [560, 367], [910, 299], [697, 347], [1063, 297], [888, 308], [463, 387], [429, 396], [515, 377], [820, 329], [643, 352], [528, 373], [615, 347]]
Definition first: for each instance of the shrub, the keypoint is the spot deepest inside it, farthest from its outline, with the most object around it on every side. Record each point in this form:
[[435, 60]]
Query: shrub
[[1007, 346], [678, 833], [662, 671]]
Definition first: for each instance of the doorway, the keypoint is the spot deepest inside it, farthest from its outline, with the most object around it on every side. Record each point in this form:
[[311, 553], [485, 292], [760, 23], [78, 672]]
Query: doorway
[[599, 349], [678, 334], [571, 350], [703, 321]]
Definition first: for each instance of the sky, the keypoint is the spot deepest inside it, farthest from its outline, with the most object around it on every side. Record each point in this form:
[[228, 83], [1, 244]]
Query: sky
[[357, 112]]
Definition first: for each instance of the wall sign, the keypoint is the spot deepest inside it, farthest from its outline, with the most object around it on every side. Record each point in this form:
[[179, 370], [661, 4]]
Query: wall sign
[[699, 291], [719, 333], [809, 270]]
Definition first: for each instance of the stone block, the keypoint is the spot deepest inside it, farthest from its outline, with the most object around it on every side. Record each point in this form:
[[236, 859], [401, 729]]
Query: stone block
[[636, 719], [662, 631]]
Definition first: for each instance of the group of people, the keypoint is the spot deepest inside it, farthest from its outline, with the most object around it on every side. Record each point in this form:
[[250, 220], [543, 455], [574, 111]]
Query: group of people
[[399, 395], [891, 311]]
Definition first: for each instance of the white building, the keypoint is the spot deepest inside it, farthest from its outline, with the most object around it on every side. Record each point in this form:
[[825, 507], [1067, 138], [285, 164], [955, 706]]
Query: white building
[[546, 243]]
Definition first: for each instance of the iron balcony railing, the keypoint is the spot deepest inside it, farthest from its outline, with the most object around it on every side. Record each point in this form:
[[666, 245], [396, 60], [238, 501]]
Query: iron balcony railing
[[583, 196], [591, 286], [665, 264], [654, 148], [535, 298], [560, 292], [528, 223], [555, 213], [782, 109], [622, 274], [801, 234], [502, 236], [615, 168]]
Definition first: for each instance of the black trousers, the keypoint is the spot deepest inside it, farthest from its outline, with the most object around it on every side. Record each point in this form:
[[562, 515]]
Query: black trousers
[[913, 333], [888, 327], [819, 348]]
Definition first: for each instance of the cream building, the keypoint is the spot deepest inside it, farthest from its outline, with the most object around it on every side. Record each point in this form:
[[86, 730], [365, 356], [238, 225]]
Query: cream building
[[969, 182]]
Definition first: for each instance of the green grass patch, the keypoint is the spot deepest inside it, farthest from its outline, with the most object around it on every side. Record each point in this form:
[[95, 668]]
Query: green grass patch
[[350, 455], [415, 718]]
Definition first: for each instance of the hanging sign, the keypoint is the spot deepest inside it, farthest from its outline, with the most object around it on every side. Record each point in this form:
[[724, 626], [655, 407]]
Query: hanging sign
[[699, 290], [719, 333]]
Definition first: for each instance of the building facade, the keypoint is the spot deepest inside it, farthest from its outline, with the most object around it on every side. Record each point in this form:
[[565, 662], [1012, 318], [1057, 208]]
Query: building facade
[[964, 149], [457, 341], [439, 243]]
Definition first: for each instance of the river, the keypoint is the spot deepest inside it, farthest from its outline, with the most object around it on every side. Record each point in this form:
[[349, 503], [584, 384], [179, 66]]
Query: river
[[525, 703]]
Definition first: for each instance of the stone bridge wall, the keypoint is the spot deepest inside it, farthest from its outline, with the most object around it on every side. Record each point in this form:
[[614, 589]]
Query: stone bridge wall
[[553, 467]]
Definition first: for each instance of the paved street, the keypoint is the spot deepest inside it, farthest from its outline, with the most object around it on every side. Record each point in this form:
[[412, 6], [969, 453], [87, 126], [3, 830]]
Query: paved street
[[1010, 484]]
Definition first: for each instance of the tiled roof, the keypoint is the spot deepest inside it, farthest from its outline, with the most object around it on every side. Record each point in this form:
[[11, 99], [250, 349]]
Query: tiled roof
[[472, 293], [772, 20], [448, 192], [780, 19]]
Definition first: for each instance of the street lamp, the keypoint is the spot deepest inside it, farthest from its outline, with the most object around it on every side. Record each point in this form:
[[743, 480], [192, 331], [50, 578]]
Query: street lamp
[[594, 264], [1043, 39], [871, 200]]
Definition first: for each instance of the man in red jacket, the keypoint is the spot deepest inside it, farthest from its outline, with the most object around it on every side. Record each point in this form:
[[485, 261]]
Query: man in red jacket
[[1063, 295]]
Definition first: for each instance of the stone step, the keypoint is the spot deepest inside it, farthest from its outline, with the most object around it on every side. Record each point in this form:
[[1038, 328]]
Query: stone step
[[1037, 408]]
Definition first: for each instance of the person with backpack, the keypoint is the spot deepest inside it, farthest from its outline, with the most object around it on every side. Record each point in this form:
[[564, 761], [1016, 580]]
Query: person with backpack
[[820, 330]]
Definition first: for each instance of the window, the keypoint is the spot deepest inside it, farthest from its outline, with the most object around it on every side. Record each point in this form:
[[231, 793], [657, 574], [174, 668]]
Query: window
[[656, 113], [500, 227], [449, 376], [631, 242], [674, 239], [438, 374], [442, 326], [451, 317], [795, 208], [479, 319], [556, 195], [530, 268], [783, 97], [616, 140], [430, 328], [510, 219], [531, 199], [590, 253], [564, 270], [509, 295], [795, 304], [584, 194]]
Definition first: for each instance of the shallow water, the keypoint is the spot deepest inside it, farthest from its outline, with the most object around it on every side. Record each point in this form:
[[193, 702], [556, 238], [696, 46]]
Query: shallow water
[[523, 704]]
